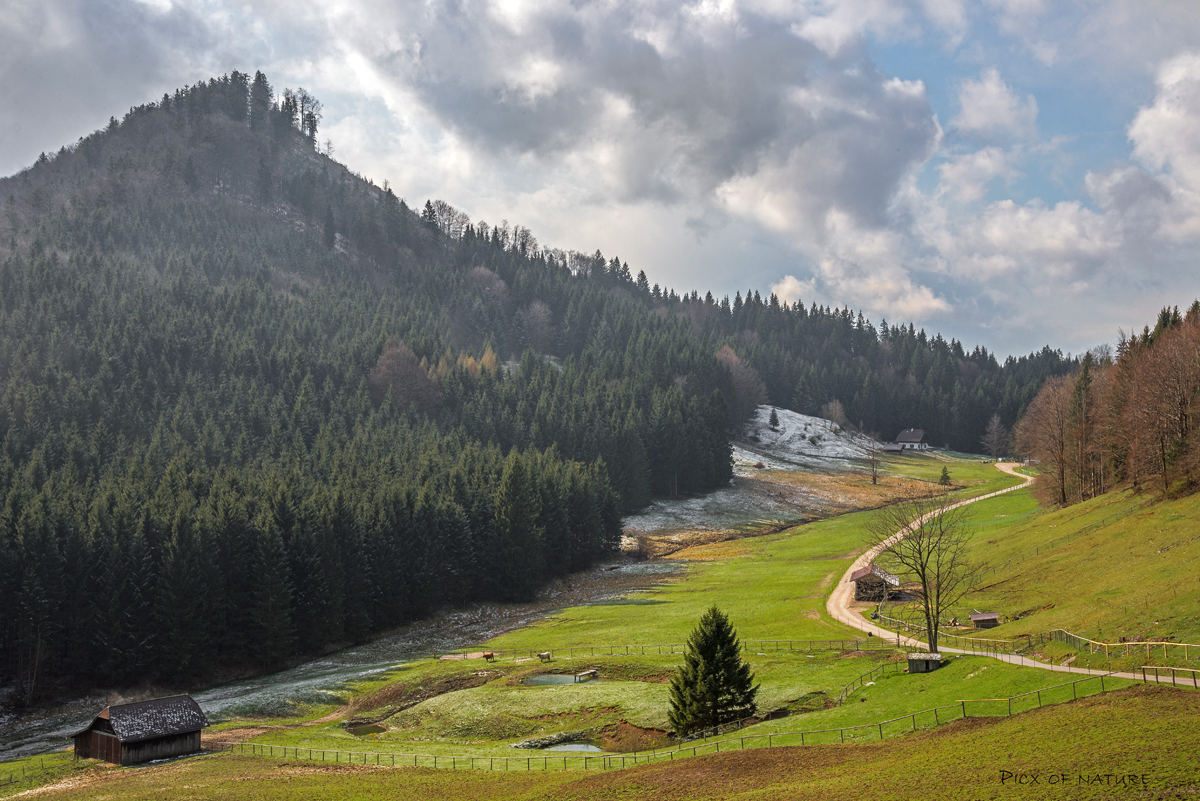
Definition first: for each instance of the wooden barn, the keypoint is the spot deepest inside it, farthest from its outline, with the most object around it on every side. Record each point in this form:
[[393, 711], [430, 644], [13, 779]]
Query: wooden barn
[[128, 734], [873, 583], [986, 620]]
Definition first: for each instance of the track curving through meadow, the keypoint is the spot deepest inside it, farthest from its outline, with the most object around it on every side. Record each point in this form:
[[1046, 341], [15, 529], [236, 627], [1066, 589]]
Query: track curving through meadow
[[840, 600]]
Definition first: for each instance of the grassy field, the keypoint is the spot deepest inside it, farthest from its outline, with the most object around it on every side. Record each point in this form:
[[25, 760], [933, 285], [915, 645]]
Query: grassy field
[[774, 588], [965, 760], [1127, 570]]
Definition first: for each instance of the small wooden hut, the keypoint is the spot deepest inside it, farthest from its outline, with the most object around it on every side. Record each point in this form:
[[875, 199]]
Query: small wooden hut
[[986, 620], [873, 583], [129, 734], [924, 662]]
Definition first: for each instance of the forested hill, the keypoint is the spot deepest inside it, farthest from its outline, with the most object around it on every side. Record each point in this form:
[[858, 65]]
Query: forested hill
[[253, 405]]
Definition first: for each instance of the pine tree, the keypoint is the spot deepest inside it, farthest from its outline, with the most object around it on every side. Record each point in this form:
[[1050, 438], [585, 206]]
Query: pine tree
[[774, 421], [713, 685], [945, 479]]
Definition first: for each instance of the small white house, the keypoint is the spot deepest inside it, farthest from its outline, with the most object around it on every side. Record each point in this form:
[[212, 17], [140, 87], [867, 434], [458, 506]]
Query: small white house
[[912, 439]]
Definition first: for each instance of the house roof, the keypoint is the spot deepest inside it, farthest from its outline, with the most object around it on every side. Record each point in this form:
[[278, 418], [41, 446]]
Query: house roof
[[161, 717], [890, 447], [914, 435], [878, 572], [985, 616]]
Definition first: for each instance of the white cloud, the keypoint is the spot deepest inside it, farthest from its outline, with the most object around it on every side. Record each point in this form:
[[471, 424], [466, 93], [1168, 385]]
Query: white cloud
[[965, 177], [988, 107], [834, 26], [713, 143], [1166, 138]]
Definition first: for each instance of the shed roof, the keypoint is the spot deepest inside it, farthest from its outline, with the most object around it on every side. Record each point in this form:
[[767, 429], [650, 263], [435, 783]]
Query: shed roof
[[926, 656], [891, 447], [160, 717], [911, 435], [985, 616], [878, 572]]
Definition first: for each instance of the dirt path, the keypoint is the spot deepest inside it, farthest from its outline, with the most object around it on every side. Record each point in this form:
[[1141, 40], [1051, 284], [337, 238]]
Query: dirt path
[[841, 603]]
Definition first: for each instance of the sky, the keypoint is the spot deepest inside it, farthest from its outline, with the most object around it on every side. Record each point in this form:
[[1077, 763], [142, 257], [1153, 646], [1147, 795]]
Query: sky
[[1011, 173]]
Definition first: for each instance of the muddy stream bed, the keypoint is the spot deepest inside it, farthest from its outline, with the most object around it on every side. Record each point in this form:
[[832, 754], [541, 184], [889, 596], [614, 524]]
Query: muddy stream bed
[[323, 680]]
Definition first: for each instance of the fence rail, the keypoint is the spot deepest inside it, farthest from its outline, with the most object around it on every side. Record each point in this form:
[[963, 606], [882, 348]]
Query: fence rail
[[1109, 649], [882, 670], [981, 707], [1174, 675], [12, 777], [974, 644], [660, 649]]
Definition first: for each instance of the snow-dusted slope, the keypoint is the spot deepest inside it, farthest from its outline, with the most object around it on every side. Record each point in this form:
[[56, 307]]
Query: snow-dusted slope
[[798, 444], [796, 441]]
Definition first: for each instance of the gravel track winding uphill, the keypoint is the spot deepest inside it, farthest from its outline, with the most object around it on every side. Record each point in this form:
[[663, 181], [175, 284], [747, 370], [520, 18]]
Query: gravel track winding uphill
[[842, 597]]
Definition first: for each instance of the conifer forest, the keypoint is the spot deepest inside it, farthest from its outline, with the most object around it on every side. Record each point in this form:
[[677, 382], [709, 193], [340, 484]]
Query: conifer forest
[[254, 406]]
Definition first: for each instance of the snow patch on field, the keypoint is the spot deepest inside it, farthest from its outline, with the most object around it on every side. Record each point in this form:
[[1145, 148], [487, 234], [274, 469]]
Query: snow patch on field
[[799, 441]]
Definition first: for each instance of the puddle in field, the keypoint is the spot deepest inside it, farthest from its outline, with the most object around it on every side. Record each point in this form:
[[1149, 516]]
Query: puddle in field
[[556, 678], [362, 731], [594, 749]]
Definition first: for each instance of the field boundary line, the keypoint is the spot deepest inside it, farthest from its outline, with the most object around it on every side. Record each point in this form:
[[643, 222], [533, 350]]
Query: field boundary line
[[941, 715]]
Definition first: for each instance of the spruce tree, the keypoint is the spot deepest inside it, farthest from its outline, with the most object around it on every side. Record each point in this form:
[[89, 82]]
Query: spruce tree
[[713, 685], [774, 420], [945, 479]]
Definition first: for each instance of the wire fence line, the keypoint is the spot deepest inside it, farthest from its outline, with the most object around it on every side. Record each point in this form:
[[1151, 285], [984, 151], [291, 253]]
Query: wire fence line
[[736, 725], [879, 672], [666, 649], [866, 732], [1182, 650], [12, 777]]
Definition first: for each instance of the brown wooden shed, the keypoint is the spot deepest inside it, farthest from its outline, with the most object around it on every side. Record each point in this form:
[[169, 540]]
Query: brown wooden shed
[[872, 583], [128, 734], [986, 620]]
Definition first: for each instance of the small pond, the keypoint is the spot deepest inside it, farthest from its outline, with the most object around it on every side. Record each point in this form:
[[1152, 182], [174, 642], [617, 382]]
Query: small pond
[[554, 678], [371, 728], [595, 749]]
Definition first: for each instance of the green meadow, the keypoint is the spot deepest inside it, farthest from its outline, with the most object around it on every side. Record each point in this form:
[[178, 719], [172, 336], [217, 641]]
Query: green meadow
[[1101, 747], [774, 588]]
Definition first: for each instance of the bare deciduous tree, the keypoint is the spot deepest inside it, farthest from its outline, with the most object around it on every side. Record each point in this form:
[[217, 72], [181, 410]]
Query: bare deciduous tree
[[1045, 432], [748, 388], [874, 458], [924, 539], [400, 375], [995, 440]]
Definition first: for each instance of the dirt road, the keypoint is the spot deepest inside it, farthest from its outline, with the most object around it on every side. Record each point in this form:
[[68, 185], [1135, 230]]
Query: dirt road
[[841, 603]]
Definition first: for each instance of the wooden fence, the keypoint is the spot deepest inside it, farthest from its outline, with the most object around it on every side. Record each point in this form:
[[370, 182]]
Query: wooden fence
[[12, 777], [928, 718], [1181, 650], [879, 672], [666, 649], [1195, 675]]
